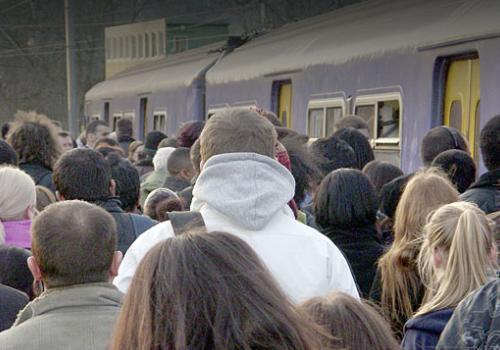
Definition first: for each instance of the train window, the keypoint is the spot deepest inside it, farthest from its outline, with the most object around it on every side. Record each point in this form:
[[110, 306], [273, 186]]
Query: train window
[[367, 112], [160, 121], [333, 115], [161, 44], [388, 120], [140, 47], [316, 123], [146, 45], [383, 115], [116, 118], [133, 47], [456, 114]]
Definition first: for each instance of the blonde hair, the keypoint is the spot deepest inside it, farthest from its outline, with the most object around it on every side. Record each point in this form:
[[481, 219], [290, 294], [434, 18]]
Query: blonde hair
[[464, 235], [17, 193], [424, 193]]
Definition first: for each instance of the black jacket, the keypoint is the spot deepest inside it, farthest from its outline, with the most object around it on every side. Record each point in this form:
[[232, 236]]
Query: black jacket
[[485, 192], [423, 332], [362, 249], [11, 302], [175, 184], [40, 174], [129, 226]]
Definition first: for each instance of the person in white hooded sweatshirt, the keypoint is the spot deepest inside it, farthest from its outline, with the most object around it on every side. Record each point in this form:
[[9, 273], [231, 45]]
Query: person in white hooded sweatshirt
[[244, 191]]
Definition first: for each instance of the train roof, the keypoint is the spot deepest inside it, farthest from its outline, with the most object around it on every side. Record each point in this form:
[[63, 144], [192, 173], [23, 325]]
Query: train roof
[[368, 29], [172, 72]]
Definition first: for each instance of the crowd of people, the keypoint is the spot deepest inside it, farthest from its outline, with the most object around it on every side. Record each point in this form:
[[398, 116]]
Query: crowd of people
[[239, 233]]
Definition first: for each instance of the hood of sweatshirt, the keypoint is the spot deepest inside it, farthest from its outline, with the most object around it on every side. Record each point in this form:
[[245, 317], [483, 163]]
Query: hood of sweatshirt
[[247, 188]]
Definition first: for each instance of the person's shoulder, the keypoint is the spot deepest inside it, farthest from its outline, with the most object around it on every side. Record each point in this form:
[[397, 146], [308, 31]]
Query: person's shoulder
[[150, 237], [12, 295]]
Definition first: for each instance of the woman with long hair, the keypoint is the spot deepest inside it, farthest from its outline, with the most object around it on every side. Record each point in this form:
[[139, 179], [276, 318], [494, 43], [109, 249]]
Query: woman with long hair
[[458, 256], [207, 291], [398, 286], [349, 323]]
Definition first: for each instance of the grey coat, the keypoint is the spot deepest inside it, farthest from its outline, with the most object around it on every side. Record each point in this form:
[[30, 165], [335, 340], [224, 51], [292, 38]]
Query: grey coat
[[77, 317]]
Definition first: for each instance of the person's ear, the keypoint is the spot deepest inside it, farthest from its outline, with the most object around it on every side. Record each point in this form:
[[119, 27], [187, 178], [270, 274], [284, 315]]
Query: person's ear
[[115, 264], [112, 188], [59, 197], [29, 213], [34, 268]]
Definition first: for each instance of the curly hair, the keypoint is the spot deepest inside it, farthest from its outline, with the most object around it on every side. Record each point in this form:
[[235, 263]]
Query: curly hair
[[34, 138]]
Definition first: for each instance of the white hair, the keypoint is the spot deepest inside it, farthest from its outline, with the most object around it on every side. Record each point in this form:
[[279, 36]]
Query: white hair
[[160, 159], [17, 193]]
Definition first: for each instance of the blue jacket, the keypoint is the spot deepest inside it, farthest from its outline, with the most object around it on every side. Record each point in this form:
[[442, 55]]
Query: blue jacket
[[423, 332]]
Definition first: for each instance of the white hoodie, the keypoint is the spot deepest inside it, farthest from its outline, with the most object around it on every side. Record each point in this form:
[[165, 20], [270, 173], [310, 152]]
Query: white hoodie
[[246, 194]]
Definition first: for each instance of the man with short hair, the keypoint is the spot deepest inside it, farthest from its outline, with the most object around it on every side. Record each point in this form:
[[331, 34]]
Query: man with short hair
[[124, 132], [180, 170], [94, 131], [243, 190], [75, 257], [84, 174], [65, 140], [485, 192], [355, 122]]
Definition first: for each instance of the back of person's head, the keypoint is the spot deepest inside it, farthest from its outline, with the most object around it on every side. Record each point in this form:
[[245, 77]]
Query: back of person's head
[[234, 130], [490, 143], [44, 197], [5, 130], [17, 196], [124, 127], [359, 143], [286, 133], [74, 242], [106, 151], [351, 324], [458, 255], [425, 192], [8, 155], [214, 293], [459, 166], [307, 176], [168, 142], [440, 139], [189, 133], [355, 122], [160, 160], [34, 138], [272, 117], [94, 125], [82, 174], [14, 271], [127, 181], [106, 142], [380, 173], [179, 161], [195, 156], [160, 202], [153, 139], [346, 199], [331, 154], [391, 193]]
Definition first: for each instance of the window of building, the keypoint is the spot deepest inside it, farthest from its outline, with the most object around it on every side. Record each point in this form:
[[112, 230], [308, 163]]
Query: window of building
[[108, 48], [140, 46], [383, 114], [116, 118], [121, 48], [114, 53], [133, 47], [323, 115], [154, 50], [127, 47]]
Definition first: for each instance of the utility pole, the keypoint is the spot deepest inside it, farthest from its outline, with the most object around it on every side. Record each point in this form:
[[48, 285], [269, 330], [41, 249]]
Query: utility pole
[[71, 77]]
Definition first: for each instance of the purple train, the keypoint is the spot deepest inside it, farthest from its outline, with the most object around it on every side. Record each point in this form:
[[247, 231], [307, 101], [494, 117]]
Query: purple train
[[405, 66]]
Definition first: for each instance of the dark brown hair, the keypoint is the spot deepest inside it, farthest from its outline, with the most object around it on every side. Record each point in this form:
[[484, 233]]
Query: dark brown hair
[[73, 242], [352, 324], [207, 291], [44, 197], [34, 138]]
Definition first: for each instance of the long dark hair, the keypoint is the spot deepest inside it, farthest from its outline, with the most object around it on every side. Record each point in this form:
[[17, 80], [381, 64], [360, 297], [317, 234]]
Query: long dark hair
[[207, 291]]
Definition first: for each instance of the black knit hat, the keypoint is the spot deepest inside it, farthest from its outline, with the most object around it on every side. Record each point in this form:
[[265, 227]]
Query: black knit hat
[[153, 138]]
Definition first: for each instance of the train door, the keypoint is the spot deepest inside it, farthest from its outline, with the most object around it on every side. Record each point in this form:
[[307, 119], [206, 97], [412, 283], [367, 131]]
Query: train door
[[283, 95], [462, 99], [143, 117]]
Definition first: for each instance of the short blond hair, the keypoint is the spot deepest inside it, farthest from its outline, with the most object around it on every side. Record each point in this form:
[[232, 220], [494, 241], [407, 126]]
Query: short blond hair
[[234, 130]]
